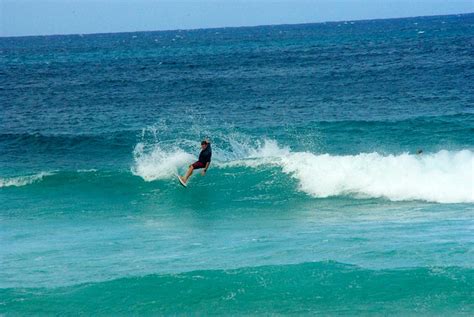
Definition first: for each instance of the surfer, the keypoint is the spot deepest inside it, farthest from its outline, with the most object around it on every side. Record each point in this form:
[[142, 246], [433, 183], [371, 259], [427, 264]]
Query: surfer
[[203, 162]]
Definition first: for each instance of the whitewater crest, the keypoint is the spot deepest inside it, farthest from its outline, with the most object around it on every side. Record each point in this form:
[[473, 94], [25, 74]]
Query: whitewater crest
[[22, 180], [443, 177]]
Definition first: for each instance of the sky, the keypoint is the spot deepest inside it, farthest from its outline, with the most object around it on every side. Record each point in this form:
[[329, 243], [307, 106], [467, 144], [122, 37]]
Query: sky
[[46, 17]]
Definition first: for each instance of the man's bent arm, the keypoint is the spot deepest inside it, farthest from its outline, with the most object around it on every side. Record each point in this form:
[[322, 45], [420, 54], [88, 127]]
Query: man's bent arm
[[207, 166]]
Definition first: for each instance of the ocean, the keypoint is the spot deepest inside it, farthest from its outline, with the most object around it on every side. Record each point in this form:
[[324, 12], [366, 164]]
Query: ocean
[[316, 201]]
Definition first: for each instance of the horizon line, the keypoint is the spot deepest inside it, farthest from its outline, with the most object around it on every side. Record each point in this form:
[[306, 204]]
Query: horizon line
[[236, 27]]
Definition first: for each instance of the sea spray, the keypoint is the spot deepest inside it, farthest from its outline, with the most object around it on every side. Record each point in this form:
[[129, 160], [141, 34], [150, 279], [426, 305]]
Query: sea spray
[[155, 163]]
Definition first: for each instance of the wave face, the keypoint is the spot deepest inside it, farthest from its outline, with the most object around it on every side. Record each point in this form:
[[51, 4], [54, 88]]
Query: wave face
[[306, 289], [443, 177]]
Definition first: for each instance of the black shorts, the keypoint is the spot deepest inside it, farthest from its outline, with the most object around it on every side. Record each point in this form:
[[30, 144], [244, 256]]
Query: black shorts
[[197, 165]]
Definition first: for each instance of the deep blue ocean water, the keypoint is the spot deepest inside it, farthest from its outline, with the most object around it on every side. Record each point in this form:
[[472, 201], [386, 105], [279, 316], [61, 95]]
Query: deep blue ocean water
[[316, 201]]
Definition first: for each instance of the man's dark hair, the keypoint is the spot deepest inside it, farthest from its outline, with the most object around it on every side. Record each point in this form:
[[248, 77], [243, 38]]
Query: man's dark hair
[[204, 142]]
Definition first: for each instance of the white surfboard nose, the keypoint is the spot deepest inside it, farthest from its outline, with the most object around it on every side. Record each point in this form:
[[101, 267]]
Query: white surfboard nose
[[181, 181]]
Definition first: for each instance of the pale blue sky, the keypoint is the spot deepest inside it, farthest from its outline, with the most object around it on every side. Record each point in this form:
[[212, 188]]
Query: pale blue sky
[[37, 17]]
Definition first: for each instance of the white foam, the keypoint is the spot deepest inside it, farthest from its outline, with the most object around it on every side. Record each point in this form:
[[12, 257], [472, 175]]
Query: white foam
[[22, 180], [155, 163], [88, 170], [444, 177]]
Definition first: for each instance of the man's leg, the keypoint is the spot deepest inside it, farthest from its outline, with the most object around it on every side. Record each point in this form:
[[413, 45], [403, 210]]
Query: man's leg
[[188, 173]]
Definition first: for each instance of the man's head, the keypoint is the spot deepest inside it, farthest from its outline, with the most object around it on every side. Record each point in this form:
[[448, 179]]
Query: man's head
[[204, 144]]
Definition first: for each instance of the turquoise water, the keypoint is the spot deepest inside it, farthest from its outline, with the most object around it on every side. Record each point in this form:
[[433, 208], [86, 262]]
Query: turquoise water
[[315, 203]]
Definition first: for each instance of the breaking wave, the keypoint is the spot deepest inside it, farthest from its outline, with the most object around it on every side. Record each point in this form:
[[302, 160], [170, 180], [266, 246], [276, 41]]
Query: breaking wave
[[443, 177], [22, 180]]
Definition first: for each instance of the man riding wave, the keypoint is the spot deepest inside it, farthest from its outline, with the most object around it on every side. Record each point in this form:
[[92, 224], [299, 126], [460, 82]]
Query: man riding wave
[[203, 162]]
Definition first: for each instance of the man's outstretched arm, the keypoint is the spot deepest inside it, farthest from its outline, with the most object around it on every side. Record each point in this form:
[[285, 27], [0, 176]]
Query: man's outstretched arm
[[205, 168]]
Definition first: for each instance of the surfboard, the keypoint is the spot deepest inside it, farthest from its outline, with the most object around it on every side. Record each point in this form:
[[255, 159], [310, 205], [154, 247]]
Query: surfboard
[[181, 181]]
